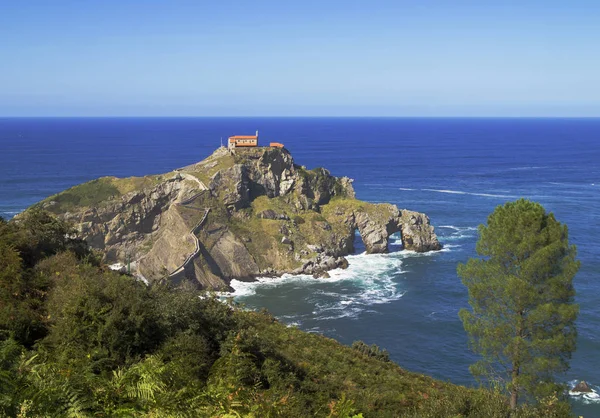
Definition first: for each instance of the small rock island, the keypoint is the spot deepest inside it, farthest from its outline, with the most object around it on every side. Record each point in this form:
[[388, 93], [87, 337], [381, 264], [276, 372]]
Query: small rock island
[[245, 211]]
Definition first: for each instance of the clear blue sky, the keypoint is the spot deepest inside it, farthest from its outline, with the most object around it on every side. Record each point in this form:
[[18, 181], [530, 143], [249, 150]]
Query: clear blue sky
[[321, 58]]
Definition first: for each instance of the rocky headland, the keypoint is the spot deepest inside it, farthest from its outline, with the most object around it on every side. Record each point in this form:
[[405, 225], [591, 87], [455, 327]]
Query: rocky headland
[[234, 216]]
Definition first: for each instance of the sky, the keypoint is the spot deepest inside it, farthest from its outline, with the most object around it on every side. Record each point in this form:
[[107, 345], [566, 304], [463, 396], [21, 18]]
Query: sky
[[300, 58]]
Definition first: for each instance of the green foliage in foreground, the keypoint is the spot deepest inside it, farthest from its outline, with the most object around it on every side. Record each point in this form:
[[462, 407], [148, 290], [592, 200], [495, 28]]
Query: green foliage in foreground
[[78, 340], [522, 297]]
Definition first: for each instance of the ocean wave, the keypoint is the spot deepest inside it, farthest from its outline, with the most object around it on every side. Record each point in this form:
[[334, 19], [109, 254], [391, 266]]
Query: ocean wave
[[370, 279], [454, 237], [470, 193], [458, 233], [442, 315], [587, 398], [346, 313], [459, 228], [446, 248], [527, 168], [406, 189], [10, 213]]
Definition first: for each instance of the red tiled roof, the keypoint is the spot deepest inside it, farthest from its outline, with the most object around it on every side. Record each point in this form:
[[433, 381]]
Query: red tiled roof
[[243, 137]]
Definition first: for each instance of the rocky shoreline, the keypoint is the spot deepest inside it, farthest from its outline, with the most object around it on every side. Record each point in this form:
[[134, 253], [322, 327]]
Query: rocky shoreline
[[263, 216]]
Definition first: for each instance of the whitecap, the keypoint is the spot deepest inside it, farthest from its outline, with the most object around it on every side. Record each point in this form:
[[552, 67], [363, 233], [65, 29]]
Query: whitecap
[[406, 189], [526, 168], [458, 233], [470, 193], [459, 228], [455, 237], [444, 191], [346, 313]]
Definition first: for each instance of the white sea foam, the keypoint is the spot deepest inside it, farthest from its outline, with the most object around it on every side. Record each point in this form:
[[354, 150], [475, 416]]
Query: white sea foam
[[527, 168], [406, 189], [242, 289], [454, 237], [459, 228], [368, 280], [470, 193], [458, 233], [585, 397], [450, 246]]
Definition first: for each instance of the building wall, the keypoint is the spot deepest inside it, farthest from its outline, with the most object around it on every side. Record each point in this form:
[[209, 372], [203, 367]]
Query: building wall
[[243, 143]]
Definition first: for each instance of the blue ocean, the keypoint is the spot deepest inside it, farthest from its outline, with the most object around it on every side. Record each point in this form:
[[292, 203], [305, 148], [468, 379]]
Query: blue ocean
[[455, 170]]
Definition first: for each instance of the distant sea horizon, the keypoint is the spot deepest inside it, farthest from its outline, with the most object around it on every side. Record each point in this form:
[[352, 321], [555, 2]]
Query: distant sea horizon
[[293, 117], [454, 169]]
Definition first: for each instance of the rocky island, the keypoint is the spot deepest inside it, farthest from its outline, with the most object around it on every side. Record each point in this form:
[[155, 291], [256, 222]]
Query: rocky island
[[235, 215]]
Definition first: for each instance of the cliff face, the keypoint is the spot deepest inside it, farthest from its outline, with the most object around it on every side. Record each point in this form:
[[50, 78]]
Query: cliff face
[[234, 216]]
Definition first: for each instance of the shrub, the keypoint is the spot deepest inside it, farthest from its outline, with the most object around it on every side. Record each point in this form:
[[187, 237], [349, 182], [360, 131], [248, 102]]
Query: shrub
[[371, 350]]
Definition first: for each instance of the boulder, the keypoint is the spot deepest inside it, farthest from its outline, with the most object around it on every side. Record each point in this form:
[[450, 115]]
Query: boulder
[[417, 232], [268, 214], [582, 387]]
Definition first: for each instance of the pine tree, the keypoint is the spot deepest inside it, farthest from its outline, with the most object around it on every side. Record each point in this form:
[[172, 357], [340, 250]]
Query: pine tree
[[523, 313]]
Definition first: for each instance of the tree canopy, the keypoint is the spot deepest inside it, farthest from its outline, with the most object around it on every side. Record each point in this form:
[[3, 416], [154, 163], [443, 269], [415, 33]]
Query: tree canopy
[[522, 317], [77, 339]]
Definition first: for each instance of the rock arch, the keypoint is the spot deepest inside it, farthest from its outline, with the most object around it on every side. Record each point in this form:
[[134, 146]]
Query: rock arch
[[415, 230]]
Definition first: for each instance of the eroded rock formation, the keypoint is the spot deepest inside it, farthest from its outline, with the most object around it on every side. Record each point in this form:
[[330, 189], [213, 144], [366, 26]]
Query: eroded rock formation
[[260, 214]]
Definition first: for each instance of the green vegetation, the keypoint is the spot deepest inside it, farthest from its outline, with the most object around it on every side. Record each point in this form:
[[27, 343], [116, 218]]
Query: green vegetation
[[371, 350], [95, 192], [522, 298], [77, 339], [210, 166]]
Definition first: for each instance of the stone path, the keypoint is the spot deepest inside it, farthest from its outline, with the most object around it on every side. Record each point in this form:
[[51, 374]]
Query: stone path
[[193, 232], [192, 178]]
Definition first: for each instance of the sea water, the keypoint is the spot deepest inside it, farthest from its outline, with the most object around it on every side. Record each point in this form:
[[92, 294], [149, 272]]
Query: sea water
[[455, 170]]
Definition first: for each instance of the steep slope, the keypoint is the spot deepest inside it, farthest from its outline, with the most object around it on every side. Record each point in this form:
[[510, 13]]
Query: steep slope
[[234, 215]]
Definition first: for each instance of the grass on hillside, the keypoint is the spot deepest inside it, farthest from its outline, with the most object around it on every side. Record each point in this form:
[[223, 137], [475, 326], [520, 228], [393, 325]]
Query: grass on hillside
[[96, 192]]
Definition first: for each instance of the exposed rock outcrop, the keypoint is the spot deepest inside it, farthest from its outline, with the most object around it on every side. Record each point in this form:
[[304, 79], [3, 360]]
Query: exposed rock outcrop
[[235, 216], [121, 226], [582, 387], [416, 231]]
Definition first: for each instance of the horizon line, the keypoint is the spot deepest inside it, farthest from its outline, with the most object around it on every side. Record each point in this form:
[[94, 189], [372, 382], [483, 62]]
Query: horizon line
[[288, 117]]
